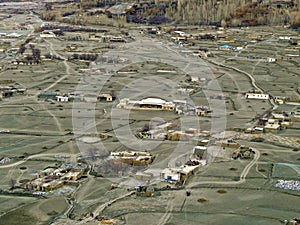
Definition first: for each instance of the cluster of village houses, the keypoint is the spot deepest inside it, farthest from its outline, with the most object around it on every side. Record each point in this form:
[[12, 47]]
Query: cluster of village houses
[[240, 152], [91, 36], [275, 122], [179, 175], [106, 38], [286, 100], [279, 100], [5, 42], [179, 106], [70, 97], [185, 39], [164, 131], [174, 175], [243, 152], [8, 38], [134, 158], [50, 178], [55, 96], [69, 173]]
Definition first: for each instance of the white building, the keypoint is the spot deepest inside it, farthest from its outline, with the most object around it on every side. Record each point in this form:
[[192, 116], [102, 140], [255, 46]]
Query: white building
[[13, 35], [237, 49], [178, 173], [180, 33], [271, 59], [257, 96], [170, 174], [47, 34], [285, 38], [62, 98], [272, 125]]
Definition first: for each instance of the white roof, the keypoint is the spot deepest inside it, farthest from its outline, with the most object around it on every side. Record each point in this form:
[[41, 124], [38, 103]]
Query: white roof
[[259, 128], [179, 32], [71, 174], [153, 101], [272, 126], [140, 158], [14, 35], [185, 169], [200, 148], [164, 125]]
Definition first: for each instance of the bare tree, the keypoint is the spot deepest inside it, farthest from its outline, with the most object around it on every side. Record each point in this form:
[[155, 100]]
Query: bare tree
[[22, 49], [12, 184]]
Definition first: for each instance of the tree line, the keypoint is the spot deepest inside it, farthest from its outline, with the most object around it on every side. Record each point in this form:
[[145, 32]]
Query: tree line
[[193, 12], [235, 12]]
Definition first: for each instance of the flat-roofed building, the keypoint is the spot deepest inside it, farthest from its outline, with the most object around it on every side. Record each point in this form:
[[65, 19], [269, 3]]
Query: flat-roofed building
[[257, 96]]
